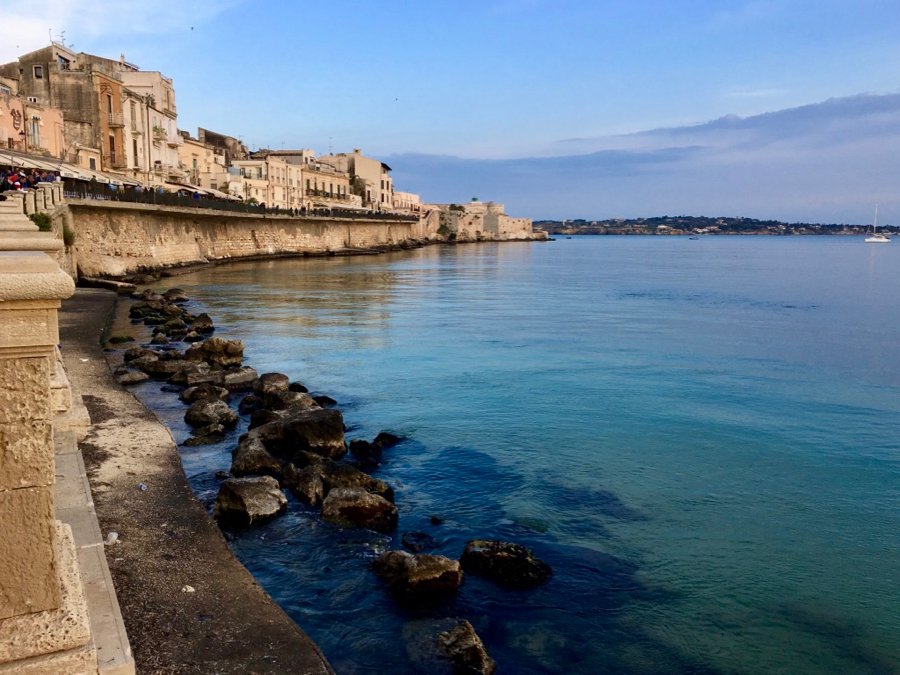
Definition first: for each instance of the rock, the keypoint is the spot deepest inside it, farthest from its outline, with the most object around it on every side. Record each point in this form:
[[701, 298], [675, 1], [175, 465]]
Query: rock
[[419, 577], [262, 416], [336, 475], [163, 368], [171, 388], [175, 295], [354, 507], [143, 362], [200, 373], [270, 383], [192, 336], [505, 563], [159, 339], [119, 339], [176, 324], [204, 439], [217, 351], [436, 520], [132, 377], [241, 379], [465, 650], [298, 386], [293, 401], [320, 431], [417, 541], [204, 412], [205, 392], [242, 501], [249, 403], [203, 324], [368, 454], [137, 352], [385, 439], [324, 401], [251, 457], [305, 483]]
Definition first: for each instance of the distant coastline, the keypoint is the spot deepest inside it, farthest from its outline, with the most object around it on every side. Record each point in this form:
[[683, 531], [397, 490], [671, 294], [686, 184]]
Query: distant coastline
[[699, 225]]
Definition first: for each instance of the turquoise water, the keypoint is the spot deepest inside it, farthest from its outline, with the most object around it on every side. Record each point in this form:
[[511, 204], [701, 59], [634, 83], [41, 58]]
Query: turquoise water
[[702, 437]]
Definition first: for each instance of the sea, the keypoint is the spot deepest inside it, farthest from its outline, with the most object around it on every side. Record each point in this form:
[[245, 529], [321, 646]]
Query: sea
[[701, 437]]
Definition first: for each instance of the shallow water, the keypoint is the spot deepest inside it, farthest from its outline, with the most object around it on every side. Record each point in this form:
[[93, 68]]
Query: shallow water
[[700, 436]]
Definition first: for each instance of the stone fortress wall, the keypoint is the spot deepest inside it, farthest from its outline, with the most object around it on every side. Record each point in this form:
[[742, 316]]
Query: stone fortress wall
[[119, 238]]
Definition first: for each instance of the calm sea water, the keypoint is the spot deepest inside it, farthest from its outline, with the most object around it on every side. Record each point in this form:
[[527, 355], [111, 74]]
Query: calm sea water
[[702, 437]]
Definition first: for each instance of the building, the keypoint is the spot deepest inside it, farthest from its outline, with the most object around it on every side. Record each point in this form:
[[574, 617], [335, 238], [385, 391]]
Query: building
[[203, 164], [231, 147], [110, 109], [370, 178], [407, 202], [28, 126]]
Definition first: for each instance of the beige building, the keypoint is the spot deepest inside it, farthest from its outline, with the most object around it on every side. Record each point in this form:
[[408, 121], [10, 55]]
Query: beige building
[[407, 202], [109, 107], [269, 180], [203, 164], [370, 178], [28, 126]]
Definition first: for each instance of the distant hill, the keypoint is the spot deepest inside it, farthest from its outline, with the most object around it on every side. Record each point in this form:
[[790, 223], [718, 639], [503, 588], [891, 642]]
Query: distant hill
[[681, 225]]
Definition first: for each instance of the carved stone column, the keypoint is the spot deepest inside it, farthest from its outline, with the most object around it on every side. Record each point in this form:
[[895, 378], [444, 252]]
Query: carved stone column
[[43, 618]]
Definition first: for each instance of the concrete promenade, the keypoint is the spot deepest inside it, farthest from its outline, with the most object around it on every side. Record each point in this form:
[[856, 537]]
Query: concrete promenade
[[188, 605]]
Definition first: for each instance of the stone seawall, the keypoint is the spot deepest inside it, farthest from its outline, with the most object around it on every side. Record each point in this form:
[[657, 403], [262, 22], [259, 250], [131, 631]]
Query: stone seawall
[[117, 238]]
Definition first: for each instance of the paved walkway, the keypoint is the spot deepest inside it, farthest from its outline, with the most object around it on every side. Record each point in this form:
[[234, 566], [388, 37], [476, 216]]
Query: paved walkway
[[167, 542]]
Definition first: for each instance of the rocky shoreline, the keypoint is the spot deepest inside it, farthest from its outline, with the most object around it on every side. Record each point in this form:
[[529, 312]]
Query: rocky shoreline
[[296, 442]]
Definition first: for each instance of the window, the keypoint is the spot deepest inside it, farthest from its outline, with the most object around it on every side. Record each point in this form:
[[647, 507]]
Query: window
[[39, 72], [134, 150], [109, 108], [92, 164], [62, 62]]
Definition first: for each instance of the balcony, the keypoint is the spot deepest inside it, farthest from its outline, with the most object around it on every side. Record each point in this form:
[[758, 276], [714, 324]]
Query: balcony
[[135, 130], [159, 134], [115, 119], [115, 160]]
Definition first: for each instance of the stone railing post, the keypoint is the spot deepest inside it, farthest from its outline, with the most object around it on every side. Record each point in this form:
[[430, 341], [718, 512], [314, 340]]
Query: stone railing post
[[30, 202]]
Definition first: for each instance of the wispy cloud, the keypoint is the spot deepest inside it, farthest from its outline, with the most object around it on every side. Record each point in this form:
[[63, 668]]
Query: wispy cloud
[[29, 26], [826, 162], [756, 93]]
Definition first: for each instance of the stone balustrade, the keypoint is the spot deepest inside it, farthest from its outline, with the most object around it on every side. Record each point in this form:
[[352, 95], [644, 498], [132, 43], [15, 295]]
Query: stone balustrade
[[44, 621]]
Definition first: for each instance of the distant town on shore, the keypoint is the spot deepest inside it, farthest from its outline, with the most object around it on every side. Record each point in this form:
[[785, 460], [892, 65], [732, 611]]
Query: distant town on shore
[[697, 225]]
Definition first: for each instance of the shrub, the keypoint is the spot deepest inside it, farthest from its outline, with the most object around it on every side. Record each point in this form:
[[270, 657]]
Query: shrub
[[42, 220], [68, 236]]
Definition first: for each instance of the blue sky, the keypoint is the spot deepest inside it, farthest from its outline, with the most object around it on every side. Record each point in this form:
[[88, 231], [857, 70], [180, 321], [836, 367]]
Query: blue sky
[[506, 98]]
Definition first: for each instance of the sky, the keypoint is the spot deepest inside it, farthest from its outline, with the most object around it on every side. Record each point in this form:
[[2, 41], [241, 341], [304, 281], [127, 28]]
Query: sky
[[590, 109]]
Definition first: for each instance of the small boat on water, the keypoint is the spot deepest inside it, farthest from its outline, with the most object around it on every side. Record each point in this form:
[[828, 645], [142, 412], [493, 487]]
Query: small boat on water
[[693, 237], [875, 237]]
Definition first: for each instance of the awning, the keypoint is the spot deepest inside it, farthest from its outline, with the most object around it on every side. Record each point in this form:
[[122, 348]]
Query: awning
[[66, 170]]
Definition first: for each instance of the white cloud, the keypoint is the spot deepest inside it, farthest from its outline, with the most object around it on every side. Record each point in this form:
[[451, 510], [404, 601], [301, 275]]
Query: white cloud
[[28, 26]]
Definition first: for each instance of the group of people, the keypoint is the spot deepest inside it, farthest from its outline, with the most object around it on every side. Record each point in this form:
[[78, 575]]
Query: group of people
[[20, 179]]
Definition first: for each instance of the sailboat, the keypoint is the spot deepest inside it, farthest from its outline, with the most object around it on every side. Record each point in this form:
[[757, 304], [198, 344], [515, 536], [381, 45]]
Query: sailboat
[[876, 238]]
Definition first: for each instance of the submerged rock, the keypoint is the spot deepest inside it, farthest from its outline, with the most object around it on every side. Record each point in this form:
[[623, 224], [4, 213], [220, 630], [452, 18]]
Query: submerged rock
[[354, 507], [465, 650], [242, 501], [417, 541], [419, 577], [130, 377], [205, 392], [505, 563]]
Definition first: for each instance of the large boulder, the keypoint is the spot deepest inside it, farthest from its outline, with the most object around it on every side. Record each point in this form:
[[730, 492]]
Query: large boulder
[[465, 650], [206, 391], [206, 412], [251, 457], [305, 483], [217, 351], [319, 430], [242, 501], [354, 507], [270, 383], [203, 324], [239, 379], [290, 401], [162, 368], [335, 475], [505, 563], [419, 577]]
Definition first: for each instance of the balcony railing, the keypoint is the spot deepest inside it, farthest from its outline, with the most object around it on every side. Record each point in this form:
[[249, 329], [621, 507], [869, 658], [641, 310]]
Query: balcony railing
[[116, 160], [159, 134], [115, 119]]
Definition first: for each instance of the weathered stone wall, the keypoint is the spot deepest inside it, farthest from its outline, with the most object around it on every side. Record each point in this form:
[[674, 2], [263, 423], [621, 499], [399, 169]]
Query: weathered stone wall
[[116, 238]]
